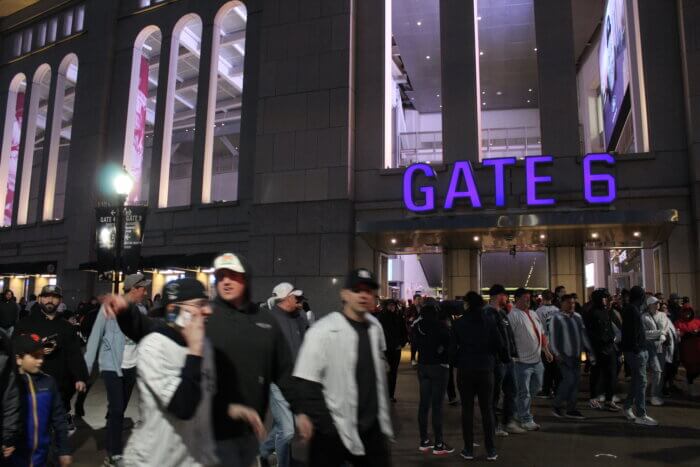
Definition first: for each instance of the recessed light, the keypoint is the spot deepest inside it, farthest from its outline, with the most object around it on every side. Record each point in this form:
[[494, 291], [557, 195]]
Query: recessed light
[[427, 57], [529, 90], [483, 92], [478, 18], [334, 281], [637, 234], [481, 52], [498, 93], [476, 238], [535, 49], [542, 236], [595, 235], [419, 23], [483, 103], [438, 95], [393, 241], [528, 101], [441, 107]]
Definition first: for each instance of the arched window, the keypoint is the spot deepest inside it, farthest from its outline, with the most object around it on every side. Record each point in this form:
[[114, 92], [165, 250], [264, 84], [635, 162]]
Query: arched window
[[61, 129], [30, 186], [223, 130], [12, 135], [180, 113], [138, 143]]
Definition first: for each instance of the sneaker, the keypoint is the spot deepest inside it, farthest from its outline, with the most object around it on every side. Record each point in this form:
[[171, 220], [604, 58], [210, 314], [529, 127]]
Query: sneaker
[[71, 424], [594, 404], [442, 449], [492, 456], [617, 399], [558, 412], [574, 415], [113, 461], [629, 413], [657, 401], [530, 426], [612, 407], [543, 395], [468, 455], [414, 363], [514, 429], [500, 431], [601, 398], [425, 446], [453, 401], [646, 420]]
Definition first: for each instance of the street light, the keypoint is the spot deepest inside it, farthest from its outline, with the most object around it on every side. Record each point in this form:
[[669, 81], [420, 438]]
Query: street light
[[122, 184]]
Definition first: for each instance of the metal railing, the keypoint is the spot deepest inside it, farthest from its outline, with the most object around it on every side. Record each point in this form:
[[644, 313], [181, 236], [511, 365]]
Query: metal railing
[[426, 146]]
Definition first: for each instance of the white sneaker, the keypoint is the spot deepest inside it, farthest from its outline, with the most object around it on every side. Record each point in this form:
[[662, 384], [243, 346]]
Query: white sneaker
[[414, 363], [657, 401], [500, 431], [629, 413], [514, 429], [616, 399], [646, 420], [530, 426], [601, 398]]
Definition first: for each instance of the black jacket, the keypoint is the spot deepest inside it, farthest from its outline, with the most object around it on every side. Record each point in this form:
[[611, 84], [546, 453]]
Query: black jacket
[[395, 332], [65, 364], [599, 325], [500, 317], [10, 409], [9, 313], [477, 342], [250, 352], [633, 336], [432, 338]]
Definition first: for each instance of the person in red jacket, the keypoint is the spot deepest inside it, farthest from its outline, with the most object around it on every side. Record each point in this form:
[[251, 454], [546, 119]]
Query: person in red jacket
[[689, 329]]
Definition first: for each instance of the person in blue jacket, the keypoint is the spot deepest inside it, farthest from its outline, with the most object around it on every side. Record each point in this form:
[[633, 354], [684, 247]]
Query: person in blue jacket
[[42, 408]]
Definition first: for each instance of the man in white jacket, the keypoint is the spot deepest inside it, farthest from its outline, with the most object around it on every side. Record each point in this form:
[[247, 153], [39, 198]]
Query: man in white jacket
[[658, 329]]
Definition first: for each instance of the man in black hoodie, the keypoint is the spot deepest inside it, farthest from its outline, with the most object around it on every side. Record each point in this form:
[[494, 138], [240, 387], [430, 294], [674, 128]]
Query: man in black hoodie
[[396, 337], [64, 360], [9, 311], [634, 345], [250, 354]]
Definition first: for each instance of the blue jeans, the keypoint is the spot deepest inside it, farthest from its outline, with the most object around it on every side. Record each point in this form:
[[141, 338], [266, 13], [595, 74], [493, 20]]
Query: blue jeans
[[281, 435], [528, 377], [638, 362], [505, 381], [570, 370]]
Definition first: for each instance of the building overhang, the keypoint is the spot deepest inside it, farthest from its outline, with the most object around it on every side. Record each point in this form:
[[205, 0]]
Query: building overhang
[[525, 230]]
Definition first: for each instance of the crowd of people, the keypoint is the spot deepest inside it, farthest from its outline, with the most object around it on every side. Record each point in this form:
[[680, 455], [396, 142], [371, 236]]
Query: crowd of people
[[208, 371]]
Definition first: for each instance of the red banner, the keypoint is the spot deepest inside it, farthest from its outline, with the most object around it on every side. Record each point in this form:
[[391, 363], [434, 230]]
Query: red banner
[[14, 156], [134, 164]]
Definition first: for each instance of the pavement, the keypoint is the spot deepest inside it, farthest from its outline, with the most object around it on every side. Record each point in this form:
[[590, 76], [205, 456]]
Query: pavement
[[603, 439]]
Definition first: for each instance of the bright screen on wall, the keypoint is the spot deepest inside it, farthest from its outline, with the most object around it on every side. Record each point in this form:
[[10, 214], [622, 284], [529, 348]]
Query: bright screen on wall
[[614, 66]]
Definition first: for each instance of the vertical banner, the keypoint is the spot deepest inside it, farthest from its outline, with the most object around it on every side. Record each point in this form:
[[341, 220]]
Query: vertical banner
[[134, 222], [106, 237], [134, 164], [14, 155]]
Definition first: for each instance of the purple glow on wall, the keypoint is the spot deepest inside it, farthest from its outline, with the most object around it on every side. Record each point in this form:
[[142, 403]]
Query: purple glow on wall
[[462, 170], [498, 165], [590, 178], [532, 180], [428, 191]]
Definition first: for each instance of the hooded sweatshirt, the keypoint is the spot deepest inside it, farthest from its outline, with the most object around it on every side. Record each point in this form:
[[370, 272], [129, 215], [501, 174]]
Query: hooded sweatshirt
[[633, 335]]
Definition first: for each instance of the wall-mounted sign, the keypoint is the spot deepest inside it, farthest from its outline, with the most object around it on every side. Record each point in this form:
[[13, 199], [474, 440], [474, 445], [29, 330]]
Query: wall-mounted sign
[[463, 185], [132, 221]]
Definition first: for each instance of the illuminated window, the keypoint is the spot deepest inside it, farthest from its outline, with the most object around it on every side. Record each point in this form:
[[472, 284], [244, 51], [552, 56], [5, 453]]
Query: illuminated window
[[59, 150], [223, 130], [181, 113], [30, 186], [12, 135], [138, 143]]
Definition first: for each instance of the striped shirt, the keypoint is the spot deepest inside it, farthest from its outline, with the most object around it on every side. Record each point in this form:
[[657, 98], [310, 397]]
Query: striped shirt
[[526, 331], [568, 336]]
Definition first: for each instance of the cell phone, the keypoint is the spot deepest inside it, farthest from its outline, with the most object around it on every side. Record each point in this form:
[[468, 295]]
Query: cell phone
[[183, 318]]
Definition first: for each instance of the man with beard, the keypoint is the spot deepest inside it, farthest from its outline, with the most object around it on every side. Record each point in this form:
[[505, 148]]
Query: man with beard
[[64, 360], [250, 353]]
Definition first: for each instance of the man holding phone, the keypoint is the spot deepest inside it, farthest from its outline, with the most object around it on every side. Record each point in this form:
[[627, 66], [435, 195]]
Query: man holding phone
[[64, 360]]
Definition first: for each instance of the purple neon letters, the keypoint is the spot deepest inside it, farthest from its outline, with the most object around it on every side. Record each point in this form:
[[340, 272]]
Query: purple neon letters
[[462, 175]]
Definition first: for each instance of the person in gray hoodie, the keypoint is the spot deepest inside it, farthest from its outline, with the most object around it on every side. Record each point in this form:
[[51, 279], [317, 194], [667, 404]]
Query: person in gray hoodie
[[285, 307]]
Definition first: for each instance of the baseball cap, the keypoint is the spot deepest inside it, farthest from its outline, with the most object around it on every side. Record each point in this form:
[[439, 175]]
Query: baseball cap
[[135, 280], [284, 290], [520, 292], [181, 290], [51, 290], [229, 261], [674, 296], [497, 289], [651, 300], [23, 344], [360, 277]]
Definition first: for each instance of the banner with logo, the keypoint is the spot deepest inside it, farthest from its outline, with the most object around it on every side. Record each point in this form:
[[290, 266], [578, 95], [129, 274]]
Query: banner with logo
[[14, 156], [134, 162]]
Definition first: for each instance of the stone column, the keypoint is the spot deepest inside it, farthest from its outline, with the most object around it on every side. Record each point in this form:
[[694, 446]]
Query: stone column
[[461, 272], [461, 127], [566, 268], [556, 66]]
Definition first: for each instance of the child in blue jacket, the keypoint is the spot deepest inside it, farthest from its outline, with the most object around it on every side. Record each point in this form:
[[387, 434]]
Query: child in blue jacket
[[42, 407]]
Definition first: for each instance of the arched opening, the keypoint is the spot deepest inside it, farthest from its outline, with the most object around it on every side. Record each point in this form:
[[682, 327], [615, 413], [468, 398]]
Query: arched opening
[[12, 135]]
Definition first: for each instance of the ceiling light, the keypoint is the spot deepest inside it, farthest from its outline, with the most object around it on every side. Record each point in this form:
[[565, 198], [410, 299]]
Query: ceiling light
[[483, 92], [481, 52], [595, 235], [478, 18], [419, 23], [476, 238], [441, 107], [529, 90], [334, 281], [438, 95], [498, 93], [535, 49], [542, 236], [637, 234], [427, 57], [528, 101], [483, 103], [393, 241]]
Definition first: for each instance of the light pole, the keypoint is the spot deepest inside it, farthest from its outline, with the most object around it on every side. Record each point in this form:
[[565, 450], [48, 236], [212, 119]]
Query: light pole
[[122, 184]]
